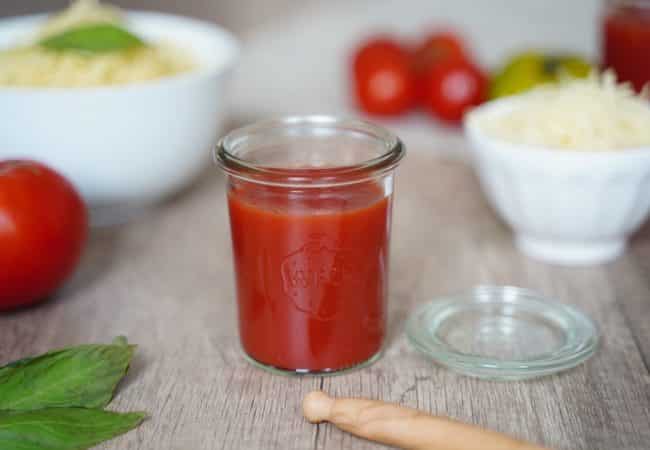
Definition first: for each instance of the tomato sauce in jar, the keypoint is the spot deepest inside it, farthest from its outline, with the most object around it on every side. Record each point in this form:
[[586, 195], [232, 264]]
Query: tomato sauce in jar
[[311, 244], [626, 41]]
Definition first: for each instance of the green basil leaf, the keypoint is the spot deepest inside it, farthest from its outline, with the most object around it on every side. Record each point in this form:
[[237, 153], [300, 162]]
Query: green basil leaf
[[62, 428], [120, 340], [18, 363], [13, 365], [95, 38], [4, 371], [83, 376]]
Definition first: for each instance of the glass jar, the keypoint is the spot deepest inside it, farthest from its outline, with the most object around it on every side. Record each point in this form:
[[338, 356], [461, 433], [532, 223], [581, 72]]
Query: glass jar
[[626, 40], [310, 202]]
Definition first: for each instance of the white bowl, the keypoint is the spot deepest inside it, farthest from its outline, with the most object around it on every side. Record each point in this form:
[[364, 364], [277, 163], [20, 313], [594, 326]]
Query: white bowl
[[566, 207], [124, 147]]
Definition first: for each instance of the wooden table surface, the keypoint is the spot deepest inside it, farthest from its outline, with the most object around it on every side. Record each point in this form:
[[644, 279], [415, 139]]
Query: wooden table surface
[[166, 282]]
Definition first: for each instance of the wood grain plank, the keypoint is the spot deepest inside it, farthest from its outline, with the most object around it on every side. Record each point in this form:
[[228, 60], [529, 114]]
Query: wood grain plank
[[631, 275], [600, 405], [166, 282]]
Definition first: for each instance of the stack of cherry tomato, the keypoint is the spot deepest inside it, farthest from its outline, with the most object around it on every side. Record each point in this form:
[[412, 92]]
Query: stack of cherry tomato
[[438, 75]]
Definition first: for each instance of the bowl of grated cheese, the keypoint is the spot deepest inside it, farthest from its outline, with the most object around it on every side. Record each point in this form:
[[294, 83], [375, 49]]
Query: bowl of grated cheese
[[127, 127], [567, 166]]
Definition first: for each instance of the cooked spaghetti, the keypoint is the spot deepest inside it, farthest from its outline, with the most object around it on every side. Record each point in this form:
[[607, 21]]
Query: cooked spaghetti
[[35, 65]]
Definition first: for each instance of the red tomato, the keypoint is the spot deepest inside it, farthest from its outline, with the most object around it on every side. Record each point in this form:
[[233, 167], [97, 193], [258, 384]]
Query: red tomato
[[452, 87], [43, 227], [437, 47], [383, 80]]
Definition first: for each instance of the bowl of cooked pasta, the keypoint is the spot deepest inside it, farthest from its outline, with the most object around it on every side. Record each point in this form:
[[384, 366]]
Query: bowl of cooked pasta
[[125, 104]]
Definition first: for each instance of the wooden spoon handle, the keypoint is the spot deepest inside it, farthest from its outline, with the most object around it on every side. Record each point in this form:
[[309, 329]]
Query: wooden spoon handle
[[404, 427]]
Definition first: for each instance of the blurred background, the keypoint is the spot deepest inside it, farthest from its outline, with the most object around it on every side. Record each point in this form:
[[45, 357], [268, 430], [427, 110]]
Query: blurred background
[[541, 21], [296, 54], [303, 44], [234, 13]]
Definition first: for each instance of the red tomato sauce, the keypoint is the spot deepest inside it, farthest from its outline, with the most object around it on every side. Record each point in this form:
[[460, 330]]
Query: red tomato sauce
[[311, 268], [626, 46]]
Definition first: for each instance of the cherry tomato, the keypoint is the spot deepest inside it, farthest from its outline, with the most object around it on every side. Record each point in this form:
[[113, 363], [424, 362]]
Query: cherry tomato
[[452, 87], [437, 47], [43, 227], [383, 79]]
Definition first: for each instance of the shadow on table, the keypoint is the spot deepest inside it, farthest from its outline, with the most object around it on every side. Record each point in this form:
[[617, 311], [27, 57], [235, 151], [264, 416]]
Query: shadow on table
[[96, 260], [138, 364], [642, 236]]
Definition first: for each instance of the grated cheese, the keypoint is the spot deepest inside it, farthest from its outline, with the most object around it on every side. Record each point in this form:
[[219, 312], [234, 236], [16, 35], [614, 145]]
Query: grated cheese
[[581, 114]]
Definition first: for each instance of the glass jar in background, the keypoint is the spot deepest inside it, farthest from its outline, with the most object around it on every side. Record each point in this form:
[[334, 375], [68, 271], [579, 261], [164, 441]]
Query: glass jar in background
[[310, 202], [626, 40]]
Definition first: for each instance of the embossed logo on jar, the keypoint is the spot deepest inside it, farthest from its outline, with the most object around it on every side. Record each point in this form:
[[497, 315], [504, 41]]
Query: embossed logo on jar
[[310, 272]]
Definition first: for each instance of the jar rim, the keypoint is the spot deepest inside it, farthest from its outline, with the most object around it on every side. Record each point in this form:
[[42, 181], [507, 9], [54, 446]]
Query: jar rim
[[225, 156]]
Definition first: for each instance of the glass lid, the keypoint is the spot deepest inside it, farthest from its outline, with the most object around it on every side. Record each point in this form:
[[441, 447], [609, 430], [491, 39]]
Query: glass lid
[[502, 333]]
